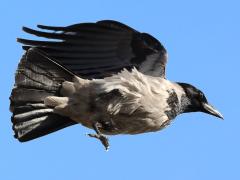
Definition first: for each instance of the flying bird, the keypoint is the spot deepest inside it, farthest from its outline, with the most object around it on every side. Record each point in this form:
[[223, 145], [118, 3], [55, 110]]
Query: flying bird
[[105, 76]]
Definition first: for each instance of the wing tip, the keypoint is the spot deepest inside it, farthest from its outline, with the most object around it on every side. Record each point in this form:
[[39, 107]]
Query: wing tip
[[53, 28]]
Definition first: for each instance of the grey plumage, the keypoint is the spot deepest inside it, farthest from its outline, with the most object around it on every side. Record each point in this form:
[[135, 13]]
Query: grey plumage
[[105, 76], [128, 100]]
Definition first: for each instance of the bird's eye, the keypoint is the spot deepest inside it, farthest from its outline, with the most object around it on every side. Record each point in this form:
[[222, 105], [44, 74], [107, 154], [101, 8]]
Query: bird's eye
[[202, 97]]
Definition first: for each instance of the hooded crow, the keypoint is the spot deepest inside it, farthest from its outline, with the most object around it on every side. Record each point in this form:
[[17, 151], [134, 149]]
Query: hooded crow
[[105, 76]]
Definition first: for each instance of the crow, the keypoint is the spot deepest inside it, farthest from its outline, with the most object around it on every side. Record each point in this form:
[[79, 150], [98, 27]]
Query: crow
[[105, 76]]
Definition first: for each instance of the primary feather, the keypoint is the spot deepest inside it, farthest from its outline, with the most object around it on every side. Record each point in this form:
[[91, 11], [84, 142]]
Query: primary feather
[[97, 50]]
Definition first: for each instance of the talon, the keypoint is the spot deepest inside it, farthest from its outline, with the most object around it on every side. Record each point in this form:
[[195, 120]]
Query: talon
[[104, 140], [94, 135]]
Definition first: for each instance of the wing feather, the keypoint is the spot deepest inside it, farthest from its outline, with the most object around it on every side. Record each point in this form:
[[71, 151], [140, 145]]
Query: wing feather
[[97, 50]]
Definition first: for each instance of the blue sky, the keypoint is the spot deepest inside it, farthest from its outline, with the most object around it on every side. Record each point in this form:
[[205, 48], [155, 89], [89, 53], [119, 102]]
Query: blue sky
[[202, 39]]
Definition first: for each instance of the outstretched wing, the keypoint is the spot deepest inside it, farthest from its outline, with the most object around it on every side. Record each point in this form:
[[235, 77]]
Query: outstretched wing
[[97, 50]]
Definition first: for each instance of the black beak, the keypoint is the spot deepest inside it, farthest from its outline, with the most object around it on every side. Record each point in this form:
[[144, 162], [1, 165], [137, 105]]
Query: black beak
[[211, 110]]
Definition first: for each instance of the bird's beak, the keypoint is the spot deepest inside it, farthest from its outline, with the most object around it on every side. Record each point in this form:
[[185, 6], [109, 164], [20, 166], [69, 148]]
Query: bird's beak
[[211, 110]]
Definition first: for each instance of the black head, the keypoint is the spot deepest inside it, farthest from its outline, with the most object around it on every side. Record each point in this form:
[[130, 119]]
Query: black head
[[195, 101]]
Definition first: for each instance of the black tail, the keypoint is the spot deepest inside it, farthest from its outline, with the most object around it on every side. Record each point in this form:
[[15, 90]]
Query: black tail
[[36, 78]]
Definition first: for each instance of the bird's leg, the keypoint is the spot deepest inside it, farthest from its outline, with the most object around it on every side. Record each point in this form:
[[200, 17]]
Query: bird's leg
[[99, 135]]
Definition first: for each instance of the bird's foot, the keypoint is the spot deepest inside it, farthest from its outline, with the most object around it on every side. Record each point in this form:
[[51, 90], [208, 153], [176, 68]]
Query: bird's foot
[[104, 140]]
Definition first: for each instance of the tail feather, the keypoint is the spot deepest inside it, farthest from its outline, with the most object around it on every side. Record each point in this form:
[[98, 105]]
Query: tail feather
[[37, 77]]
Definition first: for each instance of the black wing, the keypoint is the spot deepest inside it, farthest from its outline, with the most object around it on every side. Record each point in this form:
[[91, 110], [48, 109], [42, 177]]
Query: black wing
[[97, 50]]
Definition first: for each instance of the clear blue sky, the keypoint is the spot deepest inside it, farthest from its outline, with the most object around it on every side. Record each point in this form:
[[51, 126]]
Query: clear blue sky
[[203, 42]]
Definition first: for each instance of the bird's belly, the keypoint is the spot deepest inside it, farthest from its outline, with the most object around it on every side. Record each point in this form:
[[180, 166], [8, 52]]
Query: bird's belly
[[121, 123], [125, 124], [133, 124]]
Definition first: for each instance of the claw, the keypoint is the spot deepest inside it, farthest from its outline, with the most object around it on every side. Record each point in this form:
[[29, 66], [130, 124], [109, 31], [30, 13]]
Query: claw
[[104, 140]]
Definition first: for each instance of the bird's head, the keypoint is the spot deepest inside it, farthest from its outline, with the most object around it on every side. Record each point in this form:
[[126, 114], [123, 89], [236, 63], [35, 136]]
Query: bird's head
[[195, 101]]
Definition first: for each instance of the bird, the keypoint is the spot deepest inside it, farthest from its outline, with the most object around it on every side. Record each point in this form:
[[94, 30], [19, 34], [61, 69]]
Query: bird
[[103, 75]]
